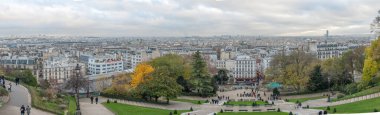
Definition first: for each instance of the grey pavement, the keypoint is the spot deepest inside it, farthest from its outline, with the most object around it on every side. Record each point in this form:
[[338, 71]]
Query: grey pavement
[[93, 109], [19, 96]]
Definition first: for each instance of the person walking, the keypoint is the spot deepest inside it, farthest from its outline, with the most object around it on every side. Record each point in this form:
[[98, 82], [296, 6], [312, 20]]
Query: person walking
[[10, 87], [22, 109], [96, 100], [92, 99], [28, 110]]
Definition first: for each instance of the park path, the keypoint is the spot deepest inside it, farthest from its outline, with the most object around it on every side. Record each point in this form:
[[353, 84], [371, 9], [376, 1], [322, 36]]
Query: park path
[[19, 96], [93, 109]]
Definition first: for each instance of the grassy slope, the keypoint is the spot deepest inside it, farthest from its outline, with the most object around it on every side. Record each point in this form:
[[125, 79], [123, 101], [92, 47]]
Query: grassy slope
[[372, 90], [124, 109], [253, 113], [190, 101], [357, 107], [43, 105], [72, 105], [305, 99]]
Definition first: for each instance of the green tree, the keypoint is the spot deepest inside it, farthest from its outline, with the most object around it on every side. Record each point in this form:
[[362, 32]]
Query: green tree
[[200, 79], [222, 76], [317, 81]]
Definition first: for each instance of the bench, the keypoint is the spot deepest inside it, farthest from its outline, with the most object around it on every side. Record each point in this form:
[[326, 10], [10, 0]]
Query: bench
[[256, 110], [271, 109], [243, 110], [228, 110]]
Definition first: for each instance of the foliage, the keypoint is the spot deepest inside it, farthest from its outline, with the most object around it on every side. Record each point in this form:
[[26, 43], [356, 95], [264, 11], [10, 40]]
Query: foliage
[[301, 100], [3, 92], [125, 109], [25, 76], [50, 106], [372, 62], [291, 70], [222, 76], [253, 113], [276, 92], [317, 81], [200, 79], [369, 91], [141, 74], [72, 105], [191, 101]]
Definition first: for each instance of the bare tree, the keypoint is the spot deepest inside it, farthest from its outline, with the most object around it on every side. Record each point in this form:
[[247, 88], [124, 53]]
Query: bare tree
[[77, 82]]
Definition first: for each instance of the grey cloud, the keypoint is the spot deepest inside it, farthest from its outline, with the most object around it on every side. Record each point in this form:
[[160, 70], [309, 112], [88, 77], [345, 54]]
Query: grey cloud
[[186, 17]]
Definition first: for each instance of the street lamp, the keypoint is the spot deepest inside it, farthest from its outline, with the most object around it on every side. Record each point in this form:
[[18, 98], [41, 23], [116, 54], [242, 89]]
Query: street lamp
[[76, 88]]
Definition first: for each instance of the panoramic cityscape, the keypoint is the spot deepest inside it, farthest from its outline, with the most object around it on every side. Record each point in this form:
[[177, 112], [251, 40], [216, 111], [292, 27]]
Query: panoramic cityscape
[[189, 57]]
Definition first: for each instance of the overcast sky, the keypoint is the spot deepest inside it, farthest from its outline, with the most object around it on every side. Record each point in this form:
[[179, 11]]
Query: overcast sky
[[186, 17]]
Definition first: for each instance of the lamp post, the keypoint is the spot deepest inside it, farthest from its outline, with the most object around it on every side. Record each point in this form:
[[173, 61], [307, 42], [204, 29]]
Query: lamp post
[[76, 88]]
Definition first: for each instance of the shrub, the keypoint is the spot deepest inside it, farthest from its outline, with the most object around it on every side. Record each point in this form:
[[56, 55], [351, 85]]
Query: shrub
[[278, 110], [3, 91], [115, 101], [221, 110], [170, 113], [199, 102], [175, 112], [290, 113], [334, 111], [207, 101], [214, 113], [340, 96], [108, 100], [325, 112], [375, 110], [191, 108], [328, 108], [297, 101], [307, 106], [254, 103]]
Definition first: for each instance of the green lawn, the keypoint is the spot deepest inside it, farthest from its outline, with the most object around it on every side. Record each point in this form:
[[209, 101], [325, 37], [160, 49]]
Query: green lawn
[[244, 103], [305, 99], [72, 105], [253, 113], [356, 107], [190, 101], [372, 90], [124, 109]]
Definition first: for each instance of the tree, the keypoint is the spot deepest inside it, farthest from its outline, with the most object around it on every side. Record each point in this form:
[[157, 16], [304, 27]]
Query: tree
[[184, 83], [317, 81], [276, 92], [291, 69], [222, 76], [372, 62], [200, 79], [141, 73]]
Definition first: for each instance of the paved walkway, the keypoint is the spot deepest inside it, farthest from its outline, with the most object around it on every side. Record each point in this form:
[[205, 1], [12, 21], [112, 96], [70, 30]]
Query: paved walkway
[[93, 109], [19, 96]]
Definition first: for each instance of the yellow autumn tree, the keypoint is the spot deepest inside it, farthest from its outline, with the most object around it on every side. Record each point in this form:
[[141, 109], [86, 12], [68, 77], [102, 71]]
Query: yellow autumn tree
[[372, 62], [141, 73]]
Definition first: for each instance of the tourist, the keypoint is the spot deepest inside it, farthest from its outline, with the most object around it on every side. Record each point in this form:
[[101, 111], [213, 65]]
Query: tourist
[[28, 110], [96, 100], [22, 109], [10, 87], [92, 99]]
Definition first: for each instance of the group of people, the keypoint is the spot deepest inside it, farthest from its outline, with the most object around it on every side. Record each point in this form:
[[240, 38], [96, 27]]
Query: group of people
[[92, 100], [2, 81], [224, 97], [26, 109]]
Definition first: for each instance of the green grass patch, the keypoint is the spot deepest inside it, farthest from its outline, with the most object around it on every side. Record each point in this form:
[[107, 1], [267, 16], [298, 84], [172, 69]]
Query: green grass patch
[[253, 113], [369, 91], [72, 105], [364, 106], [301, 100], [125, 109], [190, 101], [244, 103]]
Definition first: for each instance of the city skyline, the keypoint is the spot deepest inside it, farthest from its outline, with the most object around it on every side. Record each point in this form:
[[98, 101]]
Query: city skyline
[[186, 18]]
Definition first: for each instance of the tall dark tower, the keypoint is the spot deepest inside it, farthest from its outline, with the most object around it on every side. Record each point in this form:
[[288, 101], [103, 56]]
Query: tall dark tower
[[327, 34]]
